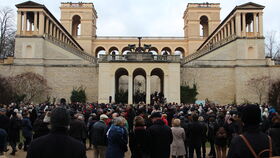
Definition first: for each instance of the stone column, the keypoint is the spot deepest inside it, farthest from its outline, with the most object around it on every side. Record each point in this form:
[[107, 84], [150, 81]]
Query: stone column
[[243, 24], [113, 88], [54, 31], [51, 29], [47, 25], [41, 23], [238, 24], [35, 23], [148, 89], [19, 22], [232, 27], [130, 89], [24, 23], [228, 29], [260, 24], [165, 87], [255, 24]]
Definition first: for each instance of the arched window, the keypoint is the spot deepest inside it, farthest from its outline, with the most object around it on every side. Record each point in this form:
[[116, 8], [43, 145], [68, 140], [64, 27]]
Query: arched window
[[204, 26], [76, 25], [99, 51], [180, 51], [166, 51]]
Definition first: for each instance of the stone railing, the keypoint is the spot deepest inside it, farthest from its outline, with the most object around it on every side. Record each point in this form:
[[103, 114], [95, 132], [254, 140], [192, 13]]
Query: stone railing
[[206, 50], [71, 49], [140, 58]]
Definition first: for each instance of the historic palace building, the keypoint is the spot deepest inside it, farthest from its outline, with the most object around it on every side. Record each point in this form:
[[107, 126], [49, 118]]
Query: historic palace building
[[220, 57]]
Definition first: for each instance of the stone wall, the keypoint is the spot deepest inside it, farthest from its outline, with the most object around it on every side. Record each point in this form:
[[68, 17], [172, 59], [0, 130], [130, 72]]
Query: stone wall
[[225, 85], [61, 79]]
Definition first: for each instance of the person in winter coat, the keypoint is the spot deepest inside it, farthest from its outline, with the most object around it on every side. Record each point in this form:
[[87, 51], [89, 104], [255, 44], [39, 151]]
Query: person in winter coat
[[57, 144], [204, 135], [40, 126], [14, 134], [259, 142], [78, 129], [159, 137], [138, 139], [26, 130], [117, 139], [98, 137], [178, 146], [3, 141], [195, 134], [211, 135], [274, 133]]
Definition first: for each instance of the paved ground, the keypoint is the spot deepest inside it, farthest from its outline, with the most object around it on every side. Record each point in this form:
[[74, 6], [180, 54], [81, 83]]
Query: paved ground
[[22, 154]]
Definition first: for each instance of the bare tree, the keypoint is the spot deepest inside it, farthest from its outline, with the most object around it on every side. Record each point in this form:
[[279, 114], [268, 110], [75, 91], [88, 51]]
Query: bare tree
[[31, 85], [7, 32], [259, 86], [272, 44]]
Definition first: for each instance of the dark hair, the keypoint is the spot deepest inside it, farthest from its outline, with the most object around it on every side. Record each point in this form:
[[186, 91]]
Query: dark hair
[[139, 121], [195, 117]]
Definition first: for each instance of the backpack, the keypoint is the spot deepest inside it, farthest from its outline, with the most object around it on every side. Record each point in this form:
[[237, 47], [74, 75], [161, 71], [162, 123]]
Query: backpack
[[252, 150]]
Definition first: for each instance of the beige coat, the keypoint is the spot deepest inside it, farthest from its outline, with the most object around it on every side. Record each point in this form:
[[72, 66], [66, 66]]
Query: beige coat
[[178, 146]]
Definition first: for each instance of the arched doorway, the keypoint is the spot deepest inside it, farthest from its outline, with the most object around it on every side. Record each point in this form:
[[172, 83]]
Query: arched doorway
[[139, 85], [157, 86], [121, 86]]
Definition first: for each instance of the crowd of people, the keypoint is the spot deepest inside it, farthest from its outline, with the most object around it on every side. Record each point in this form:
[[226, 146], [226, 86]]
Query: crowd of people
[[148, 131]]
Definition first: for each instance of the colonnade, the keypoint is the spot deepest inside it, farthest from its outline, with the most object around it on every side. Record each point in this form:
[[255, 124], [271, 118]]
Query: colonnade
[[240, 24], [42, 23]]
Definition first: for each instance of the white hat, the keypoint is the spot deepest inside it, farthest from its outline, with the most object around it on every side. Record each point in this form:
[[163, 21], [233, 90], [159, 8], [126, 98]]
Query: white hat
[[103, 117]]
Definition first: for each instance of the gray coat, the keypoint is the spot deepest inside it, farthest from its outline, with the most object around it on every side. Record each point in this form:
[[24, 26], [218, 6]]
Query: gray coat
[[178, 146]]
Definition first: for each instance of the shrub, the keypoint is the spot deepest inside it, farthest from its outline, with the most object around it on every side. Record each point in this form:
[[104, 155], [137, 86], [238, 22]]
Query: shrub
[[188, 94], [78, 95]]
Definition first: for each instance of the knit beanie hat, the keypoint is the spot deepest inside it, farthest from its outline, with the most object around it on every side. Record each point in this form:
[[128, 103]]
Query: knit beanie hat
[[251, 114], [60, 117]]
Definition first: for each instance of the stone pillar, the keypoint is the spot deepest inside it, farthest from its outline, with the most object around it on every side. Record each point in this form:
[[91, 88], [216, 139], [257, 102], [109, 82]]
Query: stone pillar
[[148, 89], [113, 88], [261, 24], [238, 24], [232, 27], [54, 31], [130, 89], [165, 87], [243, 24], [51, 28], [255, 24], [41, 23], [35, 23], [19, 22], [47, 25], [228, 29], [24, 23]]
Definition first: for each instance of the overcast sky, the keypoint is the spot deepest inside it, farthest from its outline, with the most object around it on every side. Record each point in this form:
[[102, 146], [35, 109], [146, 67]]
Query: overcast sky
[[152, 17]]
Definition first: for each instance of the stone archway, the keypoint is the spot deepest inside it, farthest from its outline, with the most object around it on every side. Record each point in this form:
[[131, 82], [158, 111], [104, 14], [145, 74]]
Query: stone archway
[[121, 85], [157, 80], [139, 85]]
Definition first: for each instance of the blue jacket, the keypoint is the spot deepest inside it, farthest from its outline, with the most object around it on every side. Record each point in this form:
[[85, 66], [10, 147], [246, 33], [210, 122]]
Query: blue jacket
[[117, 142], [26, 127]]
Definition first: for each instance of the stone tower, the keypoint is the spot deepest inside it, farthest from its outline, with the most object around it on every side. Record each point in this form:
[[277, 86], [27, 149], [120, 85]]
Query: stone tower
[[200, 20], [79, 19]]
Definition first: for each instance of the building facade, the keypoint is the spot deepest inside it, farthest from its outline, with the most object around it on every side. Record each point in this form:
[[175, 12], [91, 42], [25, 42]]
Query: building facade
[[220, 57]]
